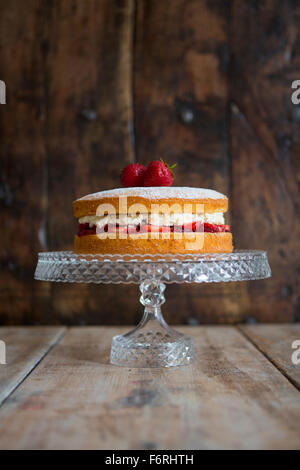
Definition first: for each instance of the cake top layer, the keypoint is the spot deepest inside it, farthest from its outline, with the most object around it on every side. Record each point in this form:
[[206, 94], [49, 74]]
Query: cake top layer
[[159, 192]]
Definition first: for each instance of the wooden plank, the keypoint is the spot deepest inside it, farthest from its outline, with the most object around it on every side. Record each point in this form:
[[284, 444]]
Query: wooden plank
[[181, 92], [89, 100], [275, 341], [25, 347], [67, 129], [65, 132], [265, 148], [23, 179], [181, 88], [89, 122], [231, 397]]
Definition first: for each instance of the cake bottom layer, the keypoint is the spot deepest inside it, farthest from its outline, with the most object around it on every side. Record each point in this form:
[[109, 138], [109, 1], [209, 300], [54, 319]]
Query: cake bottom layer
[[136, 244]]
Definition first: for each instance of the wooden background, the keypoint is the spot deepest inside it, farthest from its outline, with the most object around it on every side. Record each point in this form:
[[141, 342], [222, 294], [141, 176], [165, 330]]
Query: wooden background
[[93, 85]]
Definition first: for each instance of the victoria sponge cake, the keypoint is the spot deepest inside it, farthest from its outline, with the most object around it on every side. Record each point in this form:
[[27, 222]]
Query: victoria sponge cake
[[152, 220]]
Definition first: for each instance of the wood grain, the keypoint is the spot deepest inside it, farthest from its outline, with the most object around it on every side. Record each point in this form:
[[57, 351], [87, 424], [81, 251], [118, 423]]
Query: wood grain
[[180, 112], [89, 66], [97, 84], [65, 132], [231, 397], [265, 149], [23, 179], [275, 341], [25, 348]]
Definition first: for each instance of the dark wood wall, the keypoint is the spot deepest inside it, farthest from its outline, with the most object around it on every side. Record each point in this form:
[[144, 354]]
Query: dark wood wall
[[93, 85]]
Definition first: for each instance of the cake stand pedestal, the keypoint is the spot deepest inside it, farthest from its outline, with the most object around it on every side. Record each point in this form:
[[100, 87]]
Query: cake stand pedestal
[[152, 343]]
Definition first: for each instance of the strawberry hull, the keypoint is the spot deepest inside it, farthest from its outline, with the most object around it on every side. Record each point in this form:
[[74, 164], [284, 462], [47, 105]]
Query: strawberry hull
[[85, 229]]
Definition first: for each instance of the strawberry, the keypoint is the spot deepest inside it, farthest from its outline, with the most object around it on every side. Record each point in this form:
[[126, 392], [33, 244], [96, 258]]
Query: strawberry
[[191, 227], [133, 228], [149, 228], [216, 228], [85, 229], [133, 175], [156, 229], [166, 229], [158, 173]]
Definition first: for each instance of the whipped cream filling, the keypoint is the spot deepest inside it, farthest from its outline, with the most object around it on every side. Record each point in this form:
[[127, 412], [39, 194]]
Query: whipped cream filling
[[154, 219]]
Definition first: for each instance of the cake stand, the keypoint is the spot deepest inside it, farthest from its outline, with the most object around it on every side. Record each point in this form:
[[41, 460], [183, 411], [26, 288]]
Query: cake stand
[[152, 343]]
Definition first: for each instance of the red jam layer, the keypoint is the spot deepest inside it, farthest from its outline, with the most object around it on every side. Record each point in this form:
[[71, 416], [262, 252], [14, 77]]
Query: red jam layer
[[85, 229]]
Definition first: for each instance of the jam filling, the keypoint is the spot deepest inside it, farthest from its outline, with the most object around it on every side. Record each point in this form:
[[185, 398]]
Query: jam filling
[[85, 229]]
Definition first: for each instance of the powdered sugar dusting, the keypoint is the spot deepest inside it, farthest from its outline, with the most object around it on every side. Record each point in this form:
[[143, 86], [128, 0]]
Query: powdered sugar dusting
[[159, 192]]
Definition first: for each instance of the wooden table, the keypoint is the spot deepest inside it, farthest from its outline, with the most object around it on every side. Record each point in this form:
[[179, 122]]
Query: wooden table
[[58, 391]]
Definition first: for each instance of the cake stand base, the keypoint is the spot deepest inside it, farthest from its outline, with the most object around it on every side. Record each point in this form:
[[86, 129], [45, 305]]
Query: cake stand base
[[152, 343]]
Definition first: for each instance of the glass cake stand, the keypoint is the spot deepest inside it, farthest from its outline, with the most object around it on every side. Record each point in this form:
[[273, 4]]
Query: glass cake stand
[[152, 343]]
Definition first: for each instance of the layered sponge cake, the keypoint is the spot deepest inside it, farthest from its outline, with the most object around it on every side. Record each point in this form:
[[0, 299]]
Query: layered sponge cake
[[152, 220]]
